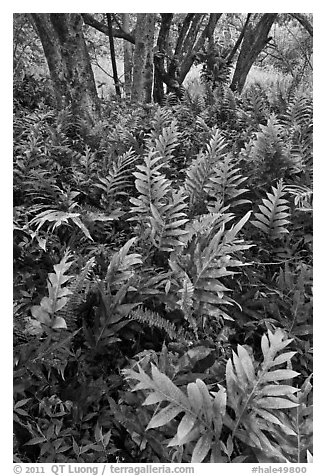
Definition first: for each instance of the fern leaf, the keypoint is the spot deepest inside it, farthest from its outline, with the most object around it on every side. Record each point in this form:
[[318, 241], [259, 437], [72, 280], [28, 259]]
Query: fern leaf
[[198, 405], [226, 183], [167, 227], [121, 266], [47, 311], [118, 179], [151, 185], [273, 216], [153, 319], [257, 403]]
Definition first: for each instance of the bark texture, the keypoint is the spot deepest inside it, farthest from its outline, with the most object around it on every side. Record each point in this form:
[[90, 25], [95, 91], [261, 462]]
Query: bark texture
[[127, 57], [255, 39], [143, 58], [66, 53]]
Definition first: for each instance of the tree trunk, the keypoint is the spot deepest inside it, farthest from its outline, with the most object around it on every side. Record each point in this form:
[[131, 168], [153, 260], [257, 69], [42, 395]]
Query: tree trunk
[[254, 41], [162, 46], [189, 42], [113, 59], [127, 57], [143, 58], [65, 50]]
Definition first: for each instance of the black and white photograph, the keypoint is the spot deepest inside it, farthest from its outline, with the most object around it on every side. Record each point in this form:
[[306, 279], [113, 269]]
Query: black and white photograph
[[162, 240]]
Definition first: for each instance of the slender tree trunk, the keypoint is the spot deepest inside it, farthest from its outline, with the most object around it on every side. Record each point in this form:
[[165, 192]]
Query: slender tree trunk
[[127, 57], [66, 53], [143, 58], [113, 61], [254, 41], [162, 46]]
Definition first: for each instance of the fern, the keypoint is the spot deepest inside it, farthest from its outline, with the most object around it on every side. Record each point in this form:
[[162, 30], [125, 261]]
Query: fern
[[273, 216], [202, 169], [118, 180], [47, 311], [201, 424], [121, 267], [153, 319], [257, 397], [225, 184], [59, 218], [167, 225], [79, 290], [205, 261], [166, 142], [302, 197], [258, 401], [151, 185]]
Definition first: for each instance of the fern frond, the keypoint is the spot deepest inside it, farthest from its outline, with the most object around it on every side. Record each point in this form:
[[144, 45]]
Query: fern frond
[[213, 262], [273, 216], [202, 169], [118, 180], [299, 113], [201, 424], [58, 292], [166, 142], [302, 197], [120, 269], [151, 185], [78, 289], [167, 225], [153, 319], [226, 183], [257, 397], [59, 218], [216, 148]]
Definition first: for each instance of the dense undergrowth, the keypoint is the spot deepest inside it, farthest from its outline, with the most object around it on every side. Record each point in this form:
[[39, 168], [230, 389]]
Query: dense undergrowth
[[163, 279]]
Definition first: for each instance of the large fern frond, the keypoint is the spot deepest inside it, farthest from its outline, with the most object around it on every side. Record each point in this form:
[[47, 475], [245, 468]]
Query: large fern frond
[[273, 217], [226, 183], [257, 397], [118, 179], [166, 142], [151, 185], [153, 319], [203, 412], [202, 169], [78, 289], [167, 223]]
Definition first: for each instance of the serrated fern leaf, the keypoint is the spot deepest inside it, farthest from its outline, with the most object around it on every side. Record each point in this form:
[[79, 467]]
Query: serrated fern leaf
[[203, 412], [212, 263], [302, 197], [58, 292], [226, 183], [78, 290], [151, 185], [118, 179], [153, 319], [202, 169], [273, 216], [256, 396], [167, 226], [166, 142], [121, 267]]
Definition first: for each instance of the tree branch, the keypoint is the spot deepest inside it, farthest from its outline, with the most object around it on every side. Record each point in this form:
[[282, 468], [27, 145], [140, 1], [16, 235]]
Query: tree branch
[[304, 22], [116, 32]]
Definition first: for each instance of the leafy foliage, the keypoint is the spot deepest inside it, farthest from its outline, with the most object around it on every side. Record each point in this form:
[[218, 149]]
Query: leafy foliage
[[139, 230], [273, 216]]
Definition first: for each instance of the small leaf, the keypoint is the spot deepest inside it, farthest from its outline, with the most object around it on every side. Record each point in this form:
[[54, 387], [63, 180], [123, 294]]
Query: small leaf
[[284, 374], [186, 425], [164, 416], [276, 402], [202, 448]]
